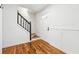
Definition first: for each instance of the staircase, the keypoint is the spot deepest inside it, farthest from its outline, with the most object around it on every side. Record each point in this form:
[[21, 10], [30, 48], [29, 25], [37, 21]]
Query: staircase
[[24, 23]]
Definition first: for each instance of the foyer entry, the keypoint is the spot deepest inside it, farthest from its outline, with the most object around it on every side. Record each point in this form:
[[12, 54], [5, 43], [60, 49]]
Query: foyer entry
[[38, 46]]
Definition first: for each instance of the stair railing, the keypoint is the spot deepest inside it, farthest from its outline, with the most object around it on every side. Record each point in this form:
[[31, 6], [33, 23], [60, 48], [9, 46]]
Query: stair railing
[[23, 22]]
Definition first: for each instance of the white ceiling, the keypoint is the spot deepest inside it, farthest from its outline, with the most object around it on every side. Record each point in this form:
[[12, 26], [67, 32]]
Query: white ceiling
[[34, 7]]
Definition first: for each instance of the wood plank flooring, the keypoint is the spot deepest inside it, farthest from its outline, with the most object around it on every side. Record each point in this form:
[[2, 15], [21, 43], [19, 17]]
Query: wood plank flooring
[[36, 47]]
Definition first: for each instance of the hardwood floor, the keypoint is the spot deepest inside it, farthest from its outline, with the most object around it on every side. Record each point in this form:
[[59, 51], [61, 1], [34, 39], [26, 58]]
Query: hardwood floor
[[36, 47]]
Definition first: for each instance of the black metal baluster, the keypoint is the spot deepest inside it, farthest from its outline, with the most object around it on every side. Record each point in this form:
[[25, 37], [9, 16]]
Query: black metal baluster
[[25, 25], [17, 18], [21, 21], [30, 31]]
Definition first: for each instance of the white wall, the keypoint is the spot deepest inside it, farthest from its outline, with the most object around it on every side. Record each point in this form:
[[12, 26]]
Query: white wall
[[0, 30], [63, 23], [13, 34]]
